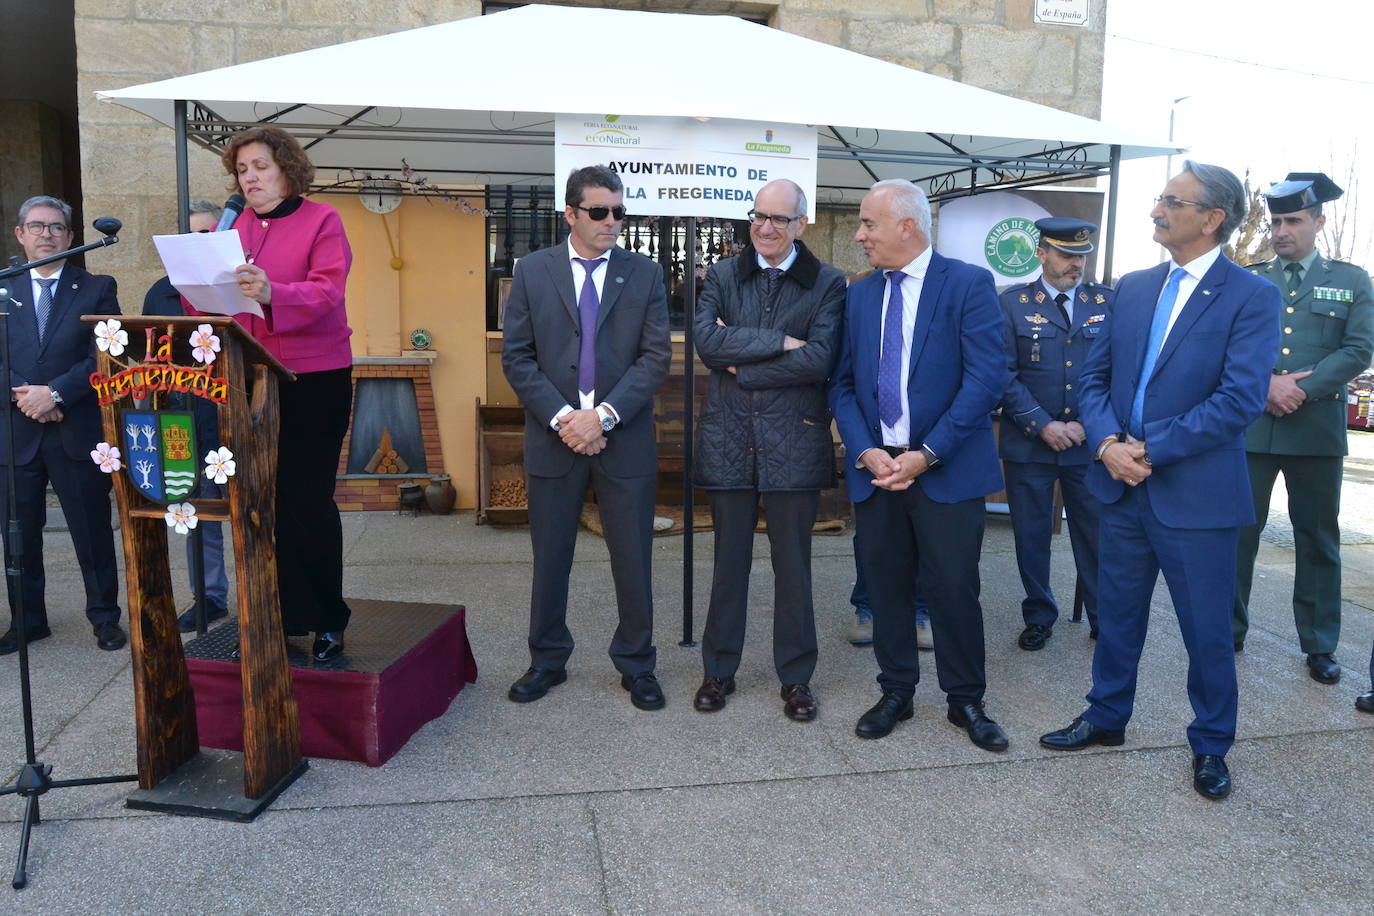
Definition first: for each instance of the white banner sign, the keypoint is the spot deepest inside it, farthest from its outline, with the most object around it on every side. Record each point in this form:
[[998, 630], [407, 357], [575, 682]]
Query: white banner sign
[[686, 167]]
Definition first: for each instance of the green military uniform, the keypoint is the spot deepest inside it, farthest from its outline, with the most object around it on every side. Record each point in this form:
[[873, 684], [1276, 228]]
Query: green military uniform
[[1328, 328]]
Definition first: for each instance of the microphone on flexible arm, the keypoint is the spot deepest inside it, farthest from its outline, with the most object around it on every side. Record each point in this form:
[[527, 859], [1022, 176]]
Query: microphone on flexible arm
[[232, 208], [107, 226]]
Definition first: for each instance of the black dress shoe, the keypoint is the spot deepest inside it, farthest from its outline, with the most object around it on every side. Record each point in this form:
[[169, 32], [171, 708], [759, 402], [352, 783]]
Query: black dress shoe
[[1323, 667], [982, 731], [536, 682], [1211, 779], [10, 641], [1080, 734], [1034, 637], [108, 636], [712, 693], [879, 721], [186, 623], [1365, 702], [798, 703], [327, 646], [644, 690]]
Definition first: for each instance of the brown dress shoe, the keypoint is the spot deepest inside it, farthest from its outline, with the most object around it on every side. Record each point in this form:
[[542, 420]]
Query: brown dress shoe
[[712, 693], [798, 702]]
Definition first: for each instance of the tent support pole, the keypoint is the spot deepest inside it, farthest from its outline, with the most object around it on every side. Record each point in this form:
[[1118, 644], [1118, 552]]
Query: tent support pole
[[1115, 180], [689, 308], [183, 169]]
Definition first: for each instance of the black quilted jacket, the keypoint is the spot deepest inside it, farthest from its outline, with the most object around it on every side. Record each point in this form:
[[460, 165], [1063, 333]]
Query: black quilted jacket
[[767, 425]]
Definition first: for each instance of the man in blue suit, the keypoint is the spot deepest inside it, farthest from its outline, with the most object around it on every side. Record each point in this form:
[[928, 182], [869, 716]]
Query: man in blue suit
[[1166, 396], [920, 369]]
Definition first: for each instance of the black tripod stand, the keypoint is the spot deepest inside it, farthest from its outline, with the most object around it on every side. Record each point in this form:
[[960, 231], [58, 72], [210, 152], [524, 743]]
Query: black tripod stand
[[34, 778]]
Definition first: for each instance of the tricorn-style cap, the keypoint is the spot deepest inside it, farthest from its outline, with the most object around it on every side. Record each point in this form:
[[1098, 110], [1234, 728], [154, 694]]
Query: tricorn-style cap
[[1301, 190]]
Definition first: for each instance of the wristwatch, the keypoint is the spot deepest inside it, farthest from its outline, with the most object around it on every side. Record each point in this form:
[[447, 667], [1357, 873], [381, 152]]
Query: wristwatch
[[607, 418], [55, 395]]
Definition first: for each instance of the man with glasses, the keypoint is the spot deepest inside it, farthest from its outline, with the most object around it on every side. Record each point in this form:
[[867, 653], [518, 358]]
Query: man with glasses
[[163, 299], [1167, 393], [56, 423], [586, 347], [766, 326], [1327, 339]]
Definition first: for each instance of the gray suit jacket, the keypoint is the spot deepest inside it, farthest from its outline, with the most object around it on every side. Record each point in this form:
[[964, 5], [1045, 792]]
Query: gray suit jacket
[[540, 355]]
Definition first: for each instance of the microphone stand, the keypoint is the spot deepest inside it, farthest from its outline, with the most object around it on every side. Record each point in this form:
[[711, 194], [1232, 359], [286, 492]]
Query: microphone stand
[[34, 779]]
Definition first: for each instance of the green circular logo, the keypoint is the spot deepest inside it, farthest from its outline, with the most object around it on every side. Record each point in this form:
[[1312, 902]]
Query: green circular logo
[[1010, 247]]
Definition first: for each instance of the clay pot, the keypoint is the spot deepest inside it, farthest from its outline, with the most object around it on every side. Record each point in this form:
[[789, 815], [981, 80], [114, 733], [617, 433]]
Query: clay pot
[[440, 495]]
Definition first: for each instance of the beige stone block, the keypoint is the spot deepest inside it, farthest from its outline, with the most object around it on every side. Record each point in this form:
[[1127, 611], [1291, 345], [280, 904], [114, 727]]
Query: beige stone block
[[1019, 14], [113, 46], [91, 110], [450, 10], [1017, 62], [212, 46], [119, 159], [244, 12], [394, 16], [1088, 74], [910, 41], [257, 44], [968, 10], [817, 27], [886, 9], [104, 9]]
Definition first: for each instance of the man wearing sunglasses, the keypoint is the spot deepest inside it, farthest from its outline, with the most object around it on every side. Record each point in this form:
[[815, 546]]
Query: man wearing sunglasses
[[1167, 392], [766, 326], [162, 298], [56, 423], [586, 347]]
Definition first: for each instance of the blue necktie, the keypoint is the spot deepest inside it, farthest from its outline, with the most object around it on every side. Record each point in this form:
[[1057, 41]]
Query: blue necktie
[[1158, 329], [44, 309], [890, 362], [588, 304]]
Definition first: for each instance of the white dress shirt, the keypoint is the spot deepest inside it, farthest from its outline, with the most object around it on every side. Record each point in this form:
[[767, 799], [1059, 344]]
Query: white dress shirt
[[900, 434], [1193, 272], [35, 276]]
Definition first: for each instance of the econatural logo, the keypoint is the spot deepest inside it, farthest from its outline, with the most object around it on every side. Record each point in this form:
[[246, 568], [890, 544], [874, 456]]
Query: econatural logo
[[611, 131], [768, 146], [1010, 247]]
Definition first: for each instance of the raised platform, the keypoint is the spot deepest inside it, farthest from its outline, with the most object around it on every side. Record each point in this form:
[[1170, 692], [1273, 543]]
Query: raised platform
[[403, 665]]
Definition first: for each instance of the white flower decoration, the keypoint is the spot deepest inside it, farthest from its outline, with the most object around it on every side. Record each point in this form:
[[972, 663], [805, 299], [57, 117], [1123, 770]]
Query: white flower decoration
[[110, 336], [107, 456], [182, 517], [206, 344], [219, 465]]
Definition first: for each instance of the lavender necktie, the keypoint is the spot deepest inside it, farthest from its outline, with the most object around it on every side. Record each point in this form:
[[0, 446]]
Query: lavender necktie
[[43, 310], [588, 304], [890, 363]]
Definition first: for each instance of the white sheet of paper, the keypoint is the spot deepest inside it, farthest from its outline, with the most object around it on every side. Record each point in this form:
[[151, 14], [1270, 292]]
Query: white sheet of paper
[[201, 267]]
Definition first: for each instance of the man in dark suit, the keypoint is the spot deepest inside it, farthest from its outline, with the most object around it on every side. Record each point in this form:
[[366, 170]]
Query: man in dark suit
[[586, 347], [1327, 339], [163, 299], [1051, 323], [1166, 395], [57, 423], [766, 326], [920, 369]]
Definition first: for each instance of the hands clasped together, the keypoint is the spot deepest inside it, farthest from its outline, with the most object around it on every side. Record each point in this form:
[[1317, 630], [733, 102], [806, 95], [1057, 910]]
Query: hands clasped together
[[1127, 461], [36, 403], [581, 432]]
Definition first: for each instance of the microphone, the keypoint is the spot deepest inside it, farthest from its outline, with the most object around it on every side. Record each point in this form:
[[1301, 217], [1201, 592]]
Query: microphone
[[232, 208], [107, 225]]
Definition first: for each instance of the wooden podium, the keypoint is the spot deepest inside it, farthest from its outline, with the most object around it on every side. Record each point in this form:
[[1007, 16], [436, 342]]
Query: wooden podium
[[159, 358]]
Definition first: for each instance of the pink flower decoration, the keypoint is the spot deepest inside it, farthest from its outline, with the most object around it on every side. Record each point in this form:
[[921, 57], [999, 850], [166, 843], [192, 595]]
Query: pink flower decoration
[[107, 457], [206, 344]]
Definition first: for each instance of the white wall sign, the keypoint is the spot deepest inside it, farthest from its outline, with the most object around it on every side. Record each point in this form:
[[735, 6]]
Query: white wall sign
[[686, 167], [1062, 12]]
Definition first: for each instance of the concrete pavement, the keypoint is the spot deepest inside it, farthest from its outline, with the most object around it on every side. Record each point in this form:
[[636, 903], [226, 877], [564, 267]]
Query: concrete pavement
[[580, 803]]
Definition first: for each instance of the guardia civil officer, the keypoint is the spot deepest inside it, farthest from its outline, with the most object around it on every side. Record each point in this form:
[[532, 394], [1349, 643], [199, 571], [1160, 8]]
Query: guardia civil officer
[[1327, 339], [1049, 325]]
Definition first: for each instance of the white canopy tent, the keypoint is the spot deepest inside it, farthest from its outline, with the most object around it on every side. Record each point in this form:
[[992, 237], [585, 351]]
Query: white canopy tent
[[472, 102]]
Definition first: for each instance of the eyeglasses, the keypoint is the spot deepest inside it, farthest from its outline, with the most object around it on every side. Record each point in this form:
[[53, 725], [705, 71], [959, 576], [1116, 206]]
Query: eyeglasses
[[600, 213], [1173, 203], [37, 228], [779, 222]]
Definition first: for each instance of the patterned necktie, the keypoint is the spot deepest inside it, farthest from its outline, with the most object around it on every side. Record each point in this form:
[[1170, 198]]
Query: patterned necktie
[[588, 305], [772, 279], [1164, 308], [44, 308], [1294, 277], [890, 363], [1059, 300]]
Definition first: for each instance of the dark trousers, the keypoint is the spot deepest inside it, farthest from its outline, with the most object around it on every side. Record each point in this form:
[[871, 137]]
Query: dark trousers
[[84, 492], [907, 535], [859, 596], [314, 417], [1314, 505], [627, 517], [1199, 566], [1030, 498], [734, 514]]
